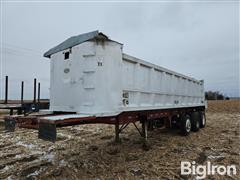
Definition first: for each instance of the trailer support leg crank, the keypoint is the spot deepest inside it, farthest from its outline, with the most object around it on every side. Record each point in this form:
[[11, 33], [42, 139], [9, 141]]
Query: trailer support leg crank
[[144, 129]]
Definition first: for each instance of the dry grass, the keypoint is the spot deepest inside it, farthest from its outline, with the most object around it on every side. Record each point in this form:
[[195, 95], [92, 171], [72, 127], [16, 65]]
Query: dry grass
[[228, 106], [88, 152]]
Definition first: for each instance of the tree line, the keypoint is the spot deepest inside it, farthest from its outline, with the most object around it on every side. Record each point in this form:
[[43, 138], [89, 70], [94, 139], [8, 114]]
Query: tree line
[[215, 95]]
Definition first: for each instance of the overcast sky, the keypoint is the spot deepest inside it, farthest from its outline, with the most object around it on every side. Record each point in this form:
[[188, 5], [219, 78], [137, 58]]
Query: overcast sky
[[197, 39]]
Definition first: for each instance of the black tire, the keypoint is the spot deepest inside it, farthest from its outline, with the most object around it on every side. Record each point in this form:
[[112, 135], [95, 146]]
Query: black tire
[[202, 119], [195, 120], [185, 125], [174, 122]]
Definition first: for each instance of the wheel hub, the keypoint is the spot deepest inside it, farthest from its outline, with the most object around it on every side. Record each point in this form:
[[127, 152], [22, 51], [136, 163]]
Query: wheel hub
[[203, 120], [188, 125]]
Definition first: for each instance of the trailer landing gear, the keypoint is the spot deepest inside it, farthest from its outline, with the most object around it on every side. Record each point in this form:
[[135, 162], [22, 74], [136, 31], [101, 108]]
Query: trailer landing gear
[[143, 131], [144, 134]]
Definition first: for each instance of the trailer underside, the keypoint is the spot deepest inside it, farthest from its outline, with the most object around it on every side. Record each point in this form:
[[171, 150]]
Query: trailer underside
[[47, 124]]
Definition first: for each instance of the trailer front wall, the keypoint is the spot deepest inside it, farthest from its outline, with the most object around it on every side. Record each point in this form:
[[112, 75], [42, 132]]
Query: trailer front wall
[[88, 81], [149, 86]]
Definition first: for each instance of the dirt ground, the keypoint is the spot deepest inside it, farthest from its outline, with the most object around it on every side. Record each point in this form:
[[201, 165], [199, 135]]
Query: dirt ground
[[88, 151]]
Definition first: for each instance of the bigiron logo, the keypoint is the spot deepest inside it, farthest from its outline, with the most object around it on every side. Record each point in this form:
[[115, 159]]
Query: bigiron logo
[[201, 171]]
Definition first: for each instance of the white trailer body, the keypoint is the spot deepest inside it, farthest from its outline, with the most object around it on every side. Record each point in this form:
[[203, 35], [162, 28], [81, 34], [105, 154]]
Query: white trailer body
[[93, 76]]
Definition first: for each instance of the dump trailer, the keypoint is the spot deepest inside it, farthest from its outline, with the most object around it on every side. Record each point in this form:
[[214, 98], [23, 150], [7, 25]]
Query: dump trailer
[[93, 81]]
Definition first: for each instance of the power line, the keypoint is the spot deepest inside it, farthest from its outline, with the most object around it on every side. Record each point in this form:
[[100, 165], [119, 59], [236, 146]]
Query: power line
[[18, 51], [21, 47], [10, 48]]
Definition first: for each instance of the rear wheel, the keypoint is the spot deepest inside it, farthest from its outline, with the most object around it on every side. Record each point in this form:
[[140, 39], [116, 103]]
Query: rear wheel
[[174, 122], [185, 125], [202, 119], [195, 120]]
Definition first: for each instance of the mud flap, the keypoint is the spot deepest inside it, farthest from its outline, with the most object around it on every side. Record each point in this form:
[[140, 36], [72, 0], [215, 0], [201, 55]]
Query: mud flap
[[10, 125], [47, 131]]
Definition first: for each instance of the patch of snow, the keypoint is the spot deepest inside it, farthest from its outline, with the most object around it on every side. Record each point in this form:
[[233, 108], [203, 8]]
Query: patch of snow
[[18, 156], [17, 138], [63, 163], [36, 173], [50, 148], [6, 168], [29, 146], [215, 157], [9, 177], [65, 135], [49, 157], [6, 135], [36, 152]]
